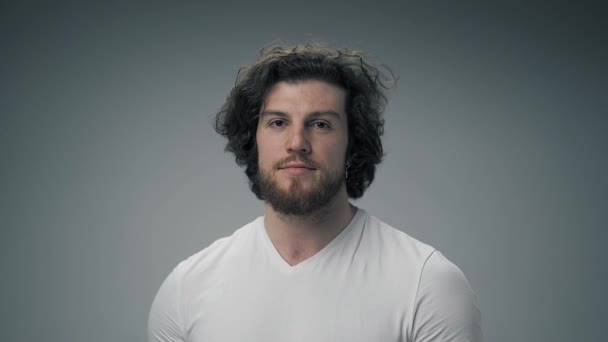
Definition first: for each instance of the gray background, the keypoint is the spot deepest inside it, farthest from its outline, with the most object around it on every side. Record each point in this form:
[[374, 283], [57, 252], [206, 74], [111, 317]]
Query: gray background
[[111, 173]]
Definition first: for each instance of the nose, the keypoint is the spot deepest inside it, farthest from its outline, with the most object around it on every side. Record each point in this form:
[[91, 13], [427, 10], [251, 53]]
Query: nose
[[298, 141]]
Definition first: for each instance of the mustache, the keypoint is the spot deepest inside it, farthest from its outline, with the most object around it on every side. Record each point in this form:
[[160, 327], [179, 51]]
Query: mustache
[[309, 163]]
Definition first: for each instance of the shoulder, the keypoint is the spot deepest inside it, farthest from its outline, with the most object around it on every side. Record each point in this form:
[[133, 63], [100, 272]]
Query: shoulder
[[441, 304], [445, 304], [168, 318], [393, 258], [219, 251], [205, 266], [393, 244], [441, 274]]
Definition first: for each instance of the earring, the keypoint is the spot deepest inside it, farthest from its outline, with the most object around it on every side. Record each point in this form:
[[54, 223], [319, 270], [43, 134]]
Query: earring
[[346, 171]]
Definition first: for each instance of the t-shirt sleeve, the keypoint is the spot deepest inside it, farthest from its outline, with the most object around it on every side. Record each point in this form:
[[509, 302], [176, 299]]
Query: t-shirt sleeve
[[445, 308], [165, 322]]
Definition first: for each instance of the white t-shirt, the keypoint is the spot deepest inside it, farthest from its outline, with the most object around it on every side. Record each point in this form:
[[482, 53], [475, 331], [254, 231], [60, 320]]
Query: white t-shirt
[[370, 283]]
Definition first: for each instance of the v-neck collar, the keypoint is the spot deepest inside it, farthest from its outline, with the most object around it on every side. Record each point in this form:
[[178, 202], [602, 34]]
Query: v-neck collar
[[285, 267]]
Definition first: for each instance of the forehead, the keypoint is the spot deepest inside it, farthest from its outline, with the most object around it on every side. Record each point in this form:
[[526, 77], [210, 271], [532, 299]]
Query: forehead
[[305, 97]]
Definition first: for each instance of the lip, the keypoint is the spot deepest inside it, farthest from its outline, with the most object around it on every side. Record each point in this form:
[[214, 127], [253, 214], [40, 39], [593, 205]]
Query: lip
[[295, 171], [297, 166]]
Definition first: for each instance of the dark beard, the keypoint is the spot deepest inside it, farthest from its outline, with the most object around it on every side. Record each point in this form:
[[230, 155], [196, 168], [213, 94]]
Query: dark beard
[[294, 201]]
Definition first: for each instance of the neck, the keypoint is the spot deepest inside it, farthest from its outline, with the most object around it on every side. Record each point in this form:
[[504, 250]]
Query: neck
[[298, 238]]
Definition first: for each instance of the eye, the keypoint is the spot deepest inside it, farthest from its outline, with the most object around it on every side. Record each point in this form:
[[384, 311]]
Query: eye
[[277, 123], [321, 125]]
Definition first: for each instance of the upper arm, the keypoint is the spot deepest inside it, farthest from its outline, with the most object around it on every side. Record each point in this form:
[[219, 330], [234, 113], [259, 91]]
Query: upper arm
[[445, 306], [165, 321]]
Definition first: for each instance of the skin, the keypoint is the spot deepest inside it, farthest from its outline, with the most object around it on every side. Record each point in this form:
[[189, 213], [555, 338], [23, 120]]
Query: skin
[[304, 121]]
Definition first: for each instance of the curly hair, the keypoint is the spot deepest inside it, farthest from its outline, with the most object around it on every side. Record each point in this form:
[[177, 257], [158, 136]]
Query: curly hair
[[365, 87]]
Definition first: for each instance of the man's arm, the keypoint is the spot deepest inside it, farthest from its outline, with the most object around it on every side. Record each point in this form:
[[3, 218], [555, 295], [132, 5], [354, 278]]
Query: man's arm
[[445, 307], [165, 322]]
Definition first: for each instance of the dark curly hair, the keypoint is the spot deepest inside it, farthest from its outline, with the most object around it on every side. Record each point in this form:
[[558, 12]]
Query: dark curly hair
[[365, 87]]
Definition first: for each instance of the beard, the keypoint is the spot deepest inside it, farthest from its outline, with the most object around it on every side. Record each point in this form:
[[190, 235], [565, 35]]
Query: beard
[[295, 199]]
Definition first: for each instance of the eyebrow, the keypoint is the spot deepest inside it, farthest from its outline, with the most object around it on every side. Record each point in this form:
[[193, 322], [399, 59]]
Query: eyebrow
[[312, 114]]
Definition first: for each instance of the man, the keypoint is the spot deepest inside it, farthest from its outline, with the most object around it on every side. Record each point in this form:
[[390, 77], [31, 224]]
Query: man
[[306, 122]]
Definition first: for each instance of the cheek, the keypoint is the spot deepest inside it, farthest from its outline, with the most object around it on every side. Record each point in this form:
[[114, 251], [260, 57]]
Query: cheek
[[335, 156], [266, 152]]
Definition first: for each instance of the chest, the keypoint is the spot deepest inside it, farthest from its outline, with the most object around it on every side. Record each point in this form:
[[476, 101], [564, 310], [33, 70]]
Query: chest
[[297, 309]]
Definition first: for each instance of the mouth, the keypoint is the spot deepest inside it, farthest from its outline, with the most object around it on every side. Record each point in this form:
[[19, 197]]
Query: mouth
[[297, 169], [297, 165]]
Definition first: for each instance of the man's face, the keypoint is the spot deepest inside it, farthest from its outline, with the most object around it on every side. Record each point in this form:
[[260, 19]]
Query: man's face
[[302, 137]]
